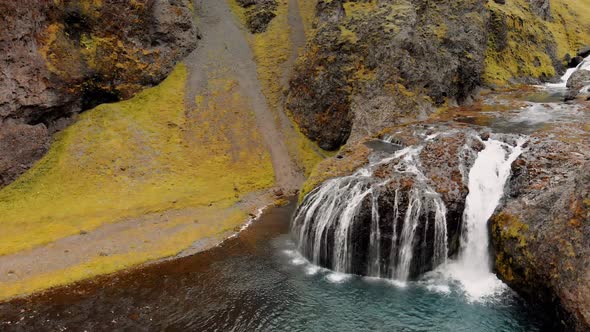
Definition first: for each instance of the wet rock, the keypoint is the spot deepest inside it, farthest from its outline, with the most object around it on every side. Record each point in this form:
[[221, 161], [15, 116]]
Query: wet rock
[[541, 236], [584, 52], [442, 161], [579, 79], [575, 61], [58, 58], [384, 64]]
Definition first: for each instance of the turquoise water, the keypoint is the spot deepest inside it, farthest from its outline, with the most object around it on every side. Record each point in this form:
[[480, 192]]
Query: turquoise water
[[256, 282]]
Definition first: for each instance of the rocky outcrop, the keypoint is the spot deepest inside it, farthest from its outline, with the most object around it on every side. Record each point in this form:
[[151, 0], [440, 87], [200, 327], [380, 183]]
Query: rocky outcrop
[[436, 162], [58, 58], [542, 8], [259, 13], [385, 63], [541, 236], [576, 84]]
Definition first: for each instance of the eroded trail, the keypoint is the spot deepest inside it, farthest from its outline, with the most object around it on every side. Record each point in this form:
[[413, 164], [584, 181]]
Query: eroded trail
[[223, 77]]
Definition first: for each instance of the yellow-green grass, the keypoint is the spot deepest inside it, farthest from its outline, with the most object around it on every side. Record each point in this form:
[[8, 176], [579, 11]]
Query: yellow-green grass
[[128, 159]]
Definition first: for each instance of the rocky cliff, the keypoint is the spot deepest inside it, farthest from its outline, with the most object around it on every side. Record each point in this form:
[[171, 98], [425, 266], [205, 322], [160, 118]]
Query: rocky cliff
[[373, 64], [59, 58], [542, 236]]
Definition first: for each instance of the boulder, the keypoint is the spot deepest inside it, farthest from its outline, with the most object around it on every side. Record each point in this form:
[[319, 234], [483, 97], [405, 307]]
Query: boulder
[[541, 236], [579, 79]]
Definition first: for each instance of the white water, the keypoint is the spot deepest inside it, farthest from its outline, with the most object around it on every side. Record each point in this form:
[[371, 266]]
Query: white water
[[334, 206], [585, 65], [487, 179]]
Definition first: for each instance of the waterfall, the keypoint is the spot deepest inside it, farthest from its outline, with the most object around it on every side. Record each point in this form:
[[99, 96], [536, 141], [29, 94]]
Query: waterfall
[[335, 230], [585, 64], [487, 179], [386, 221]]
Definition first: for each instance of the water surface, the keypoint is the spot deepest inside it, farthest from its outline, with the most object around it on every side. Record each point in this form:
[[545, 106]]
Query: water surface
[[257, 282]]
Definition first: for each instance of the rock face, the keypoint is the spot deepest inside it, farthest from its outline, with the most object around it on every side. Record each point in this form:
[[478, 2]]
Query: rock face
[[579, 80], [541, 8], [58, 58], [390, 191], [385, 62], [542, 234], [259, 13]]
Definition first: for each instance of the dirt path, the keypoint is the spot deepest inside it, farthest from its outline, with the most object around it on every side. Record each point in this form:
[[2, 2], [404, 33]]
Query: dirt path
[[224, 54]]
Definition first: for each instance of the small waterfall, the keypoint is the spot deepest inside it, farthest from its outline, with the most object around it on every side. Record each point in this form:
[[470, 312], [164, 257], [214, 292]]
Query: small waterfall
[[335, 230], [487, 179], [585, 64]]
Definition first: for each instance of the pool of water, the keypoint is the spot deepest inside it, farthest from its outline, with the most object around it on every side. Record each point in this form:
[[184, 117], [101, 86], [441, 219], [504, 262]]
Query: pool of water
[[257, 282]]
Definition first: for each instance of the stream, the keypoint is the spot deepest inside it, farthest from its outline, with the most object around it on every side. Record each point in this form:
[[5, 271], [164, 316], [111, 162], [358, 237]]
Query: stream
[[257, 282]]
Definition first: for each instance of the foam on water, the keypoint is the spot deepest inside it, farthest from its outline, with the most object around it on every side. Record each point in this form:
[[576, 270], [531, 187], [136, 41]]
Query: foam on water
[[585, 65], [487, 178]]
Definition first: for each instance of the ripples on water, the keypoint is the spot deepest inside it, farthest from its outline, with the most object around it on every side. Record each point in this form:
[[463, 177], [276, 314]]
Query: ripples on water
[[257, 282]]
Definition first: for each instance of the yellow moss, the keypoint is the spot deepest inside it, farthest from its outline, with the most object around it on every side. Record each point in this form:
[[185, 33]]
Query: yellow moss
[[511, 228], [131, 158], [504, 267], [307, 12], [570, 26], [358, 9], [347, 35]]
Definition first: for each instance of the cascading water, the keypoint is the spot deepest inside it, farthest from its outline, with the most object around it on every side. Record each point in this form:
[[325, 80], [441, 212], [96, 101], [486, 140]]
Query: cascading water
[[584, 65], [487, 179], [330, 223], [386, 221]]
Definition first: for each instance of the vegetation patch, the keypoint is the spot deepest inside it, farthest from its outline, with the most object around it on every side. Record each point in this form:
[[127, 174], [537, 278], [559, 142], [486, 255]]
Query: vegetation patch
[[129, 159]]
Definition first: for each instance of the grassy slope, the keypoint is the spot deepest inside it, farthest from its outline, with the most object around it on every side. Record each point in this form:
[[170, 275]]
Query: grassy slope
[[526, 54], [131, 158]]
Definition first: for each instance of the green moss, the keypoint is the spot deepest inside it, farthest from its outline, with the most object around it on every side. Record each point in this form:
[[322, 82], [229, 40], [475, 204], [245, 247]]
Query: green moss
[[132, 158]]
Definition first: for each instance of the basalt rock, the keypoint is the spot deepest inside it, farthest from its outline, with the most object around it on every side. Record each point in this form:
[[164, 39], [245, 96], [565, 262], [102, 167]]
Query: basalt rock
[[58, 58], [541, 236], [384, 63], [392, 196]]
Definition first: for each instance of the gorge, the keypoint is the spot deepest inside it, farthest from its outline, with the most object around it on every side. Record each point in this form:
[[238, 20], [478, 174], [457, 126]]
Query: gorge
[[276, 165]]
